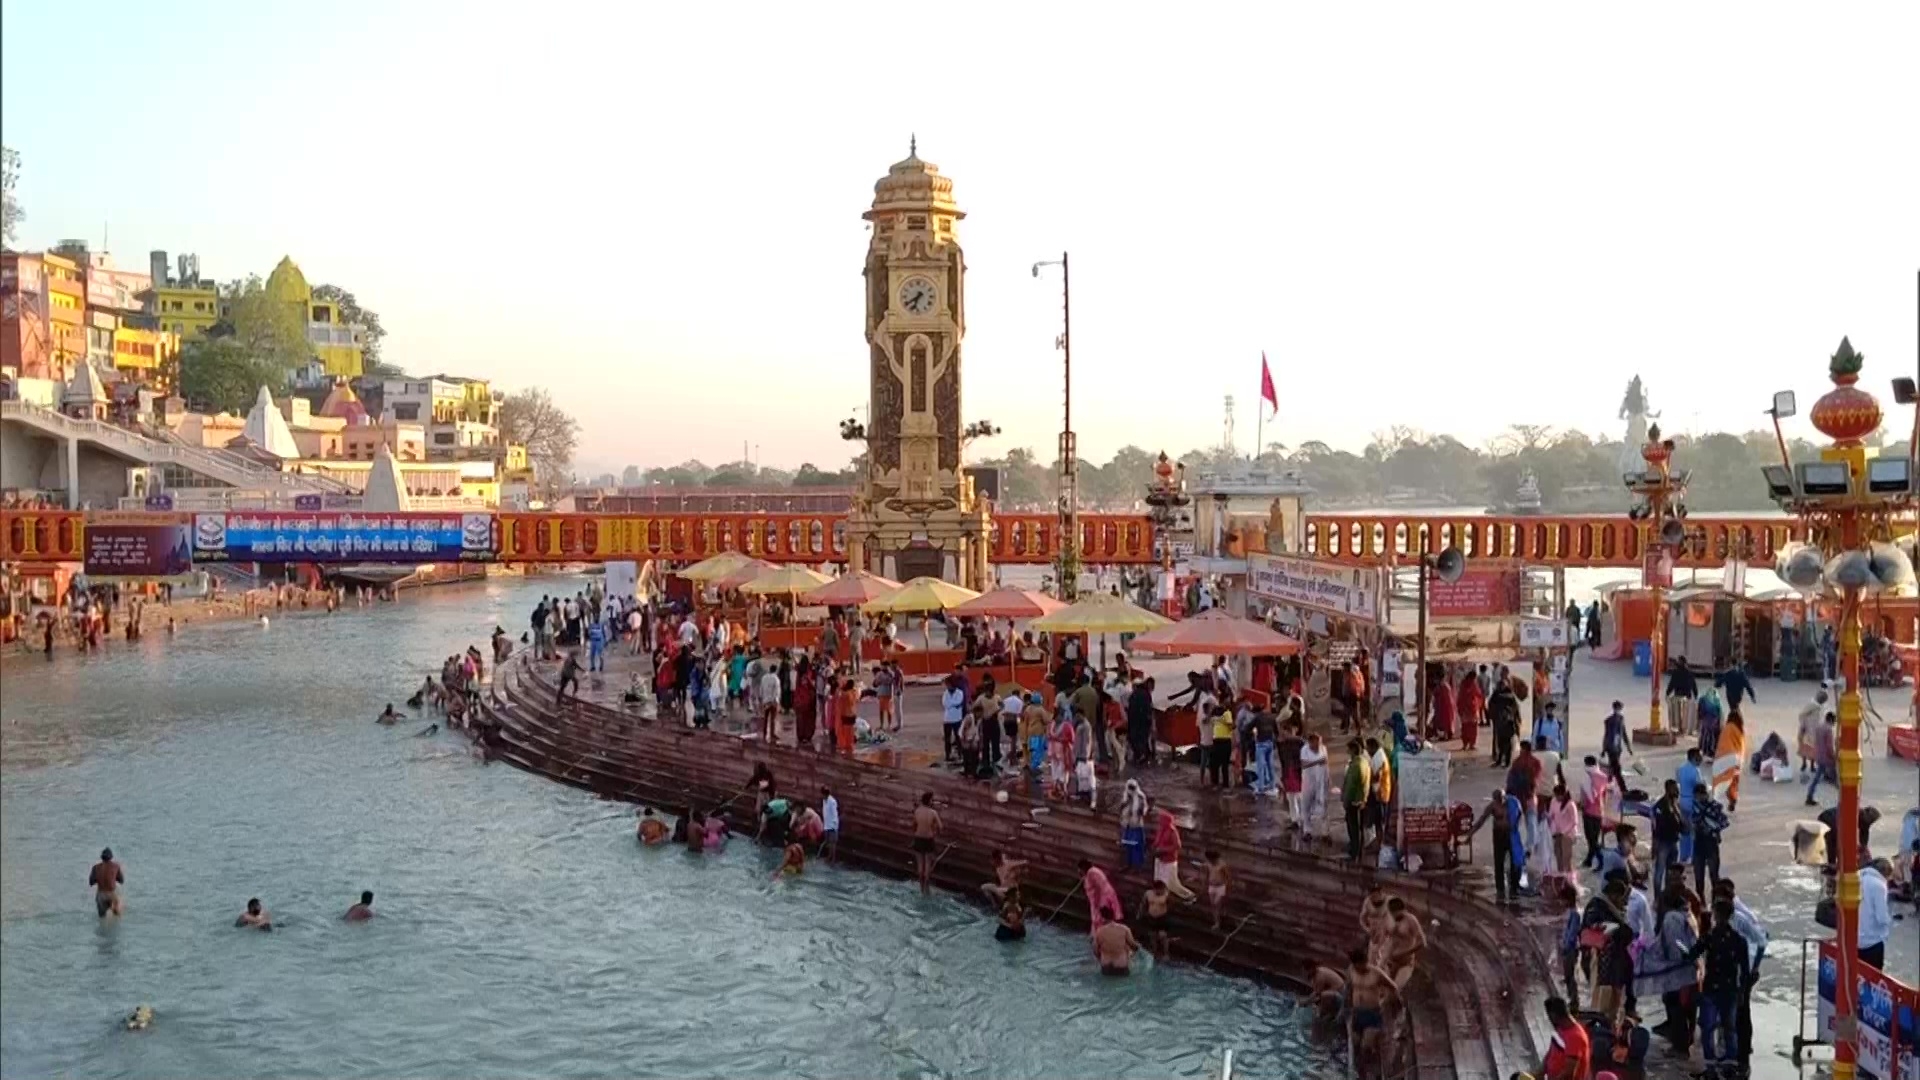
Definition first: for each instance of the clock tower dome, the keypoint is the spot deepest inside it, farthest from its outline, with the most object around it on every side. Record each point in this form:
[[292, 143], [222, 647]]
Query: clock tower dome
[[916, 513]]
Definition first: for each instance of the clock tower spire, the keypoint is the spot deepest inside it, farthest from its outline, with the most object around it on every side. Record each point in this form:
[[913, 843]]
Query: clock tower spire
[[915, 514]]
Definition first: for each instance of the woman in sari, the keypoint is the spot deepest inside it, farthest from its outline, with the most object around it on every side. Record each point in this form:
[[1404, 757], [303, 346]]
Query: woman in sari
[[1731, 757], [805, 703]]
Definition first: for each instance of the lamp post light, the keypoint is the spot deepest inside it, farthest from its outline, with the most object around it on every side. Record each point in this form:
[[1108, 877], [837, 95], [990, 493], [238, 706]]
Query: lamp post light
[[1068, 562], [1847, 501], [1165, 500], [1662, 517]]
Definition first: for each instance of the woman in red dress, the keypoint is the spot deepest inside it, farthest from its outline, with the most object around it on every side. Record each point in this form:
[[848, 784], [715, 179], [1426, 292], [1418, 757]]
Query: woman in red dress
[[805, 703]]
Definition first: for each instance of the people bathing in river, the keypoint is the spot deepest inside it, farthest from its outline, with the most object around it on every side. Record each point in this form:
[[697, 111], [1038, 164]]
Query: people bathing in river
[[388, 716], [1013, 918], [255, 916], [363, 910], [1114, 946], [1154, 915], [1006, 877], [793, 862], [106, 877]]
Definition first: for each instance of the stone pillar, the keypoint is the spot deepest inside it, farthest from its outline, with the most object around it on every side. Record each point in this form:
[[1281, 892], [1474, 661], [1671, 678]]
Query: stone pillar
[[71, 472]]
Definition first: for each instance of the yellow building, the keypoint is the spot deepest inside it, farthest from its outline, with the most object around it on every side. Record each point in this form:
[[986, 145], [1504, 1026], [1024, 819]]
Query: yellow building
[[339, 345], [186, 309], [145, 357]]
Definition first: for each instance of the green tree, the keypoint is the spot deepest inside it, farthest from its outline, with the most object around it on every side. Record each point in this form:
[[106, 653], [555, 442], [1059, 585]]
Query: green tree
[[352, 312], [220, 375], [270, 331], [530, 417], [11, 215]]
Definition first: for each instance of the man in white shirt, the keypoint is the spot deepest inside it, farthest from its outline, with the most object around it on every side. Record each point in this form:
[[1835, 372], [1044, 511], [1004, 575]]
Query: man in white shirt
[[769, 699], [1876, 921], [1010, 709], [829, 824]]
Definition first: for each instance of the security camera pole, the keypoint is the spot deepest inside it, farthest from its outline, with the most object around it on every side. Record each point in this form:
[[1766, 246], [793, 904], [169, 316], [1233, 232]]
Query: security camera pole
[[1068, 562], [1659, 511]]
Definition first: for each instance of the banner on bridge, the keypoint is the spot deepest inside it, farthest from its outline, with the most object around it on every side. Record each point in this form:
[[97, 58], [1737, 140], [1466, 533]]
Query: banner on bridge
[[342, 537], [138, 551]]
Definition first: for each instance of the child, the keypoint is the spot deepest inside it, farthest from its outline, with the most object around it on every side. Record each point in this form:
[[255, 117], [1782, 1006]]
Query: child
[[1013, 918], [1218, 878], [1153, 914], [1084, 782], [795, 861]]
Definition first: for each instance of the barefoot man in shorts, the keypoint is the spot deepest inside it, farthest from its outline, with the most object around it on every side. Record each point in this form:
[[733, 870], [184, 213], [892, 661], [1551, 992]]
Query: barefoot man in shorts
[[106, 879], [1405, 938], [926, 826], [1370, 998]]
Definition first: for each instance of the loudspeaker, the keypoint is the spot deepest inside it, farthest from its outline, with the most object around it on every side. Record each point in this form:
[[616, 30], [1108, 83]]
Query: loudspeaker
[[1799, 566], [1449, 565], [1889, 565], [1851, 570], [986, 481], [1672, 532]]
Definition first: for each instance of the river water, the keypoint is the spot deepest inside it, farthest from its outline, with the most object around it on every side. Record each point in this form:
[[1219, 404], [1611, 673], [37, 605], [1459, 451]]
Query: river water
[[521, 930]]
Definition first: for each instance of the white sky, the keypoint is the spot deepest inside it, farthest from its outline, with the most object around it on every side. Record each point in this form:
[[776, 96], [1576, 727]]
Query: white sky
[[1450, 216]]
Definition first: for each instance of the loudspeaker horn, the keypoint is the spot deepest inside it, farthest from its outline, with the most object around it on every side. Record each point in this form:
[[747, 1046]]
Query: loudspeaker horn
[[1851, 570], [1800, 566], [1890, 565], [1449, 565], [1672, 533]]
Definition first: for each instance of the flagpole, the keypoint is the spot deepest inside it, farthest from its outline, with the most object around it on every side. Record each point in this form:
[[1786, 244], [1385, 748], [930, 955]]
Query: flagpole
[[1259, 422]]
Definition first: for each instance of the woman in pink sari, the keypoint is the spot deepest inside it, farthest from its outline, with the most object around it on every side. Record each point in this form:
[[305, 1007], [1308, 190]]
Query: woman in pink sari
[[1103, 903]]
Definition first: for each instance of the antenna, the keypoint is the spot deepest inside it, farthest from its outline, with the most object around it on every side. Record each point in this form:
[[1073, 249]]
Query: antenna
[[1226, 427]]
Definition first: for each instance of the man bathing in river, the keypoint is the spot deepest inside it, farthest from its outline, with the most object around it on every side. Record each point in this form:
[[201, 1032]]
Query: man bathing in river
[[1405, 938], [1153, 915], [926, 826], [1326, 990], [106, 878], [255, 916], [1006, 873], [1371, 997], [1114, 946], [1218, 878], [363, 910]]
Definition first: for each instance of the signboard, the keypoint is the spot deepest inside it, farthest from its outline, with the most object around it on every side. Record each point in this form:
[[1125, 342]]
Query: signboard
[[138, 550], [273, 536], [1545, 634], [1424, 804], [623, 579], [161, 502], [1482, 592], [308, 502], [1886, 1016], [1657, 569], [1350, 592]]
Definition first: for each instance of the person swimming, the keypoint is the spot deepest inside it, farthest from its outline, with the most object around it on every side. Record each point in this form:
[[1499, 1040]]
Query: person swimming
[[795, 861], [651, 830], [363, 910], [1013, 918], [255, 916], [388, 716]]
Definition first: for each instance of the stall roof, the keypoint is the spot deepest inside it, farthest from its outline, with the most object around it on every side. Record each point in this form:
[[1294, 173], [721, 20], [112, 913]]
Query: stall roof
[[1691, 593]]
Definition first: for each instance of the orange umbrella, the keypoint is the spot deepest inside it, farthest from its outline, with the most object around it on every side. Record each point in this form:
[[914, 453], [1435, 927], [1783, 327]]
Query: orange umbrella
[[850, 590], [1008, 603], [1217, 633]]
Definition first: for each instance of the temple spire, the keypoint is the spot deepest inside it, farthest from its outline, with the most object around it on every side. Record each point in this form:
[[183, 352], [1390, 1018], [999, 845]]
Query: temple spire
[[913, 145]]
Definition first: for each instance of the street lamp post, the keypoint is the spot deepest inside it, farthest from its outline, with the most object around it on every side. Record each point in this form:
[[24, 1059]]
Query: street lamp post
[[1847, 500], [1069, 505], [1658, 490]]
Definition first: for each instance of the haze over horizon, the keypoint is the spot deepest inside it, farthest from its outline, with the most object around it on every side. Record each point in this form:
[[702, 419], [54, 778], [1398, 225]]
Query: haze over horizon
[[1448, 218]]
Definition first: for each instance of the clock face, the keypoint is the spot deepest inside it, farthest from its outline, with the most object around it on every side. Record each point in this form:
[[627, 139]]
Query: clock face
[[917, 296]]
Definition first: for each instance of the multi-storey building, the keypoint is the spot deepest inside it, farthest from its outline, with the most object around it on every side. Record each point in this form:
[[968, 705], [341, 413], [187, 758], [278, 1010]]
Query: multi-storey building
[[26, 337], [183, 303]]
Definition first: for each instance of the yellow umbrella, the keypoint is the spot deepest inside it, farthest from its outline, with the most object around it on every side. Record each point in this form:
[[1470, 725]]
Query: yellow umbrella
[[786, 581], [1099, 614], [715, 567], [919, 595]]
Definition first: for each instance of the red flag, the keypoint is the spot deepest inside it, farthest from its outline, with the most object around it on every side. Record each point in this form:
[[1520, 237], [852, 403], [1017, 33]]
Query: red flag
[[1267, 393]]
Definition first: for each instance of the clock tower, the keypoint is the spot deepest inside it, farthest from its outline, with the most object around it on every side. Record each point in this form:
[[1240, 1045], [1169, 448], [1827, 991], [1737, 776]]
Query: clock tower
[[915, 513]]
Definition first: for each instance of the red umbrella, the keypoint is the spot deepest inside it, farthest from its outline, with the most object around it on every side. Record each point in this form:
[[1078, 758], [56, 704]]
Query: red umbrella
[[850, 589], [1217, 633], [1008, 603]]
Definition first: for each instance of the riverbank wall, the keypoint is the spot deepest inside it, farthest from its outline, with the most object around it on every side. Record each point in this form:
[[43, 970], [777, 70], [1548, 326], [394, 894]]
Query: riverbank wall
[[1474, 1003]]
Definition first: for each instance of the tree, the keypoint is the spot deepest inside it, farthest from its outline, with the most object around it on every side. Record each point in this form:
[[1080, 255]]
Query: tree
[[529, 417], [10, 213], [270, 331], [351, 312], [218, 373]]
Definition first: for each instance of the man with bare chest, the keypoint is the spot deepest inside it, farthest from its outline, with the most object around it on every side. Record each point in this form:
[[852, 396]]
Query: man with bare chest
[[106, 879], [1371, 999], [1114, 946], [926, 826], [1405, 938]]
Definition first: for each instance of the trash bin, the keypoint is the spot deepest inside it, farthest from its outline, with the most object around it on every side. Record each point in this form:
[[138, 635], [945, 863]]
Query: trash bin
[[1642, 658]]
